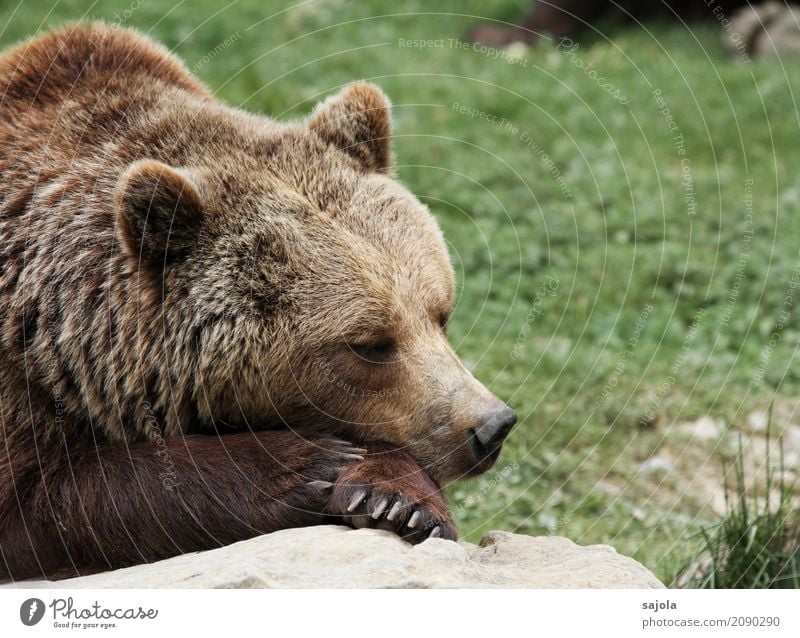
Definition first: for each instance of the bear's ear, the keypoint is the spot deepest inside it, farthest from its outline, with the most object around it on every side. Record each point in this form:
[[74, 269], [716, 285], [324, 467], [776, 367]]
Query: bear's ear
[[159, 212], [358, 122]]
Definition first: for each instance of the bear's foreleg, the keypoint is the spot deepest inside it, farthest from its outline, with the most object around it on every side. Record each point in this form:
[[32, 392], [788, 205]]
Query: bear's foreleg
[[111, 506]]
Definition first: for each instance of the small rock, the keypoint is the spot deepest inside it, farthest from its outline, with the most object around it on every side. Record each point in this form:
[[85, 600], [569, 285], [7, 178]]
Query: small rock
[[758, 420], [706, 428], [656, 464], [516, 51]]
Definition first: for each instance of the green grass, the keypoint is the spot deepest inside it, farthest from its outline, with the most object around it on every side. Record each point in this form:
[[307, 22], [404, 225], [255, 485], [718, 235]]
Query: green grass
[[595, 203], [756, 545]]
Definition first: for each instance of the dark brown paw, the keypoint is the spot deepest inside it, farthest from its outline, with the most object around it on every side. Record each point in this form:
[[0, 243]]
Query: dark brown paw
[[390, 491], [321, 462], [330, 457]]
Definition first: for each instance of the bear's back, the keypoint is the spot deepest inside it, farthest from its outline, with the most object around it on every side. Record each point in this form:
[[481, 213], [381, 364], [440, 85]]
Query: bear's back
[[50, 68]]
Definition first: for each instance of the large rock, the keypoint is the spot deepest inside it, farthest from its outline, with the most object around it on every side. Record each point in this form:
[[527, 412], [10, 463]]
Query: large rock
[[762, 30], [331, 556]]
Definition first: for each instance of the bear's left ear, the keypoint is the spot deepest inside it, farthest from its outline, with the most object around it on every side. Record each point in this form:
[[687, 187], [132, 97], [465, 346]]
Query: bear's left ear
[[159, 213], [357, 121]]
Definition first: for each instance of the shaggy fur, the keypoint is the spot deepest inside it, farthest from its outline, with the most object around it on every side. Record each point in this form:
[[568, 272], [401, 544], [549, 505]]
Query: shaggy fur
[[194, 300]]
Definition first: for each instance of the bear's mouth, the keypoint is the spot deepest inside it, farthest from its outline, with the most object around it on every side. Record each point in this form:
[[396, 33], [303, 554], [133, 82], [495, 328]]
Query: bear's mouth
[[486, 456], [481, 451]]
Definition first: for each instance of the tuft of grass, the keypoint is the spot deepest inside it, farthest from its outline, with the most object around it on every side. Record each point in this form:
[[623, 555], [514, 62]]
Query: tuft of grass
[[756, 545]]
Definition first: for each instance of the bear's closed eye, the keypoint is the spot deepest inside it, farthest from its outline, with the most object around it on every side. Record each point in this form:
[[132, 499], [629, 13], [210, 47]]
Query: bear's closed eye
[[378, 351]]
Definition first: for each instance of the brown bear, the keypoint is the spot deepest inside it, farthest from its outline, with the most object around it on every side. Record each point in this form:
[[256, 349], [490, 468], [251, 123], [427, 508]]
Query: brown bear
[[212, 324]]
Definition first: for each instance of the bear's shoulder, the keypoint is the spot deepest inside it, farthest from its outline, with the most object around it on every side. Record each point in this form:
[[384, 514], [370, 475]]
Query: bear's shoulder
[[53, 66]]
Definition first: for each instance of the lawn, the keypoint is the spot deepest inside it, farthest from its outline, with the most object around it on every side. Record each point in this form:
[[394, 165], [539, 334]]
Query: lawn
[[622, 218]]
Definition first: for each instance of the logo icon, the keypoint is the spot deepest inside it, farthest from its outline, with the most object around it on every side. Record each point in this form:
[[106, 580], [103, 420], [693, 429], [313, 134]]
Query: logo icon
[[31, 611]]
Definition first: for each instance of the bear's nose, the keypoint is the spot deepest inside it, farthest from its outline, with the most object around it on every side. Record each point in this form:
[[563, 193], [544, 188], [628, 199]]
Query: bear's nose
[[492, 431]]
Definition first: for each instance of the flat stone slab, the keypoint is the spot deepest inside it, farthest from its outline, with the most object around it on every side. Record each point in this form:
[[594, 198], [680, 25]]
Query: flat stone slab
[[339, 557]]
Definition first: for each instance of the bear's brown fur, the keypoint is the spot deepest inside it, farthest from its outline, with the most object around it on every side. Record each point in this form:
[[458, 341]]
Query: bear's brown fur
[[196, 302]]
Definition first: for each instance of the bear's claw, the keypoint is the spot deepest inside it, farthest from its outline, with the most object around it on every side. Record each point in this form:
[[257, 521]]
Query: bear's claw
[[320, 485], [394, 511], [414, 522], [379, 508], [357, 499]]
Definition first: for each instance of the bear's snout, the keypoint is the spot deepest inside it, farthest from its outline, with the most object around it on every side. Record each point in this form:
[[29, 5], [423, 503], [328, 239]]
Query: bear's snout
[[487, 438]]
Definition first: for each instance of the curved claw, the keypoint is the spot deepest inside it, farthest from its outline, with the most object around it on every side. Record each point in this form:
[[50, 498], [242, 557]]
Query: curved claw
[[412, 522], [379, 508], [357, 499], [394, 511], [321, 485], [347, 456], [436, 532]]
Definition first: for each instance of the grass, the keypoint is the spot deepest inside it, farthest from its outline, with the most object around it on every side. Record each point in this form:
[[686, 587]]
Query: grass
[[756, 545], [669, 253]]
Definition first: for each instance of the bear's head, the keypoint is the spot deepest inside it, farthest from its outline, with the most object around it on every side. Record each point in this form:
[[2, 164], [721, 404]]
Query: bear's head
[[305, 287]]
